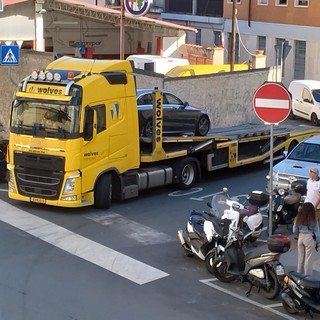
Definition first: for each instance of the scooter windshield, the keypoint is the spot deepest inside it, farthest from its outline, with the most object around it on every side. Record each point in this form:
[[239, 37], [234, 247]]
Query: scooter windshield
[[219, 205]]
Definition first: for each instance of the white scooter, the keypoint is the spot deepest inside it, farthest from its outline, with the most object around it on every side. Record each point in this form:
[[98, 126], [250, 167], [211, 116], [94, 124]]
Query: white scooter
[[207, 233]]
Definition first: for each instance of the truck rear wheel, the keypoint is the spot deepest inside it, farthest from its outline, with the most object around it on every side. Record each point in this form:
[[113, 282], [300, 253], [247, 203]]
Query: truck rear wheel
[[187, 172], [103, 192]]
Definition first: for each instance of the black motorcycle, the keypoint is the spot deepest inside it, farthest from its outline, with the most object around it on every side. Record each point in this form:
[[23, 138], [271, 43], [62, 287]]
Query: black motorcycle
[[286, 204], [301, 293], [260, 269]]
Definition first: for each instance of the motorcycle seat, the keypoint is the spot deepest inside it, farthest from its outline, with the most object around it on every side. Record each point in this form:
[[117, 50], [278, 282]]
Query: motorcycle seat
[[292, 198], [247, 211], [256, 254], [304, 280]]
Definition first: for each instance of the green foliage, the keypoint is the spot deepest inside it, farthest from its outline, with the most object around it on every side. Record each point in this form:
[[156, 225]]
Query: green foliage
[[139, 3]]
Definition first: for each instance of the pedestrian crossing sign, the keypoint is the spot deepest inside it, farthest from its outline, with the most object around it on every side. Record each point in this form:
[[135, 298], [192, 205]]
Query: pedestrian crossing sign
[[9, 55]]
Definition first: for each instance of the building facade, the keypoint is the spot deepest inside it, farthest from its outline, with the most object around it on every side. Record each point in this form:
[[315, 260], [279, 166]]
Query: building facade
[[288, 31]]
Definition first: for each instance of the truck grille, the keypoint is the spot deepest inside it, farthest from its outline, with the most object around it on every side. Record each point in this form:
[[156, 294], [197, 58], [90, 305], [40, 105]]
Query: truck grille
[[39, 175]]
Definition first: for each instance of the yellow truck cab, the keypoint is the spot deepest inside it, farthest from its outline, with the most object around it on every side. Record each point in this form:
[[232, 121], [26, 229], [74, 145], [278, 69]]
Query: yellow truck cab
[[64, 163], [74, 139]]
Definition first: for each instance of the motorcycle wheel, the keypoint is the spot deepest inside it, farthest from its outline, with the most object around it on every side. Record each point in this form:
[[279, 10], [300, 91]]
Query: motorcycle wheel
[[188, 252], [209, 261], [273, 291], [287, 307], [219, 269]]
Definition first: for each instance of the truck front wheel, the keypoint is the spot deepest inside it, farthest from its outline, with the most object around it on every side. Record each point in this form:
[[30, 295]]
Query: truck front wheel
[[186, 173], [103, 192]]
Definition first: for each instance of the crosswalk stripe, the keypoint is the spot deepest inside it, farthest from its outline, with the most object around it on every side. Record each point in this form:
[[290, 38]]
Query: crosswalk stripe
[[131, 229], [80, 246]]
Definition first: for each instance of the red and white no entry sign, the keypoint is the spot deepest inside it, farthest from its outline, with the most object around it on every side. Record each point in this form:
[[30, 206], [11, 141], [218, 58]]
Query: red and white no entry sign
[[272, 102]]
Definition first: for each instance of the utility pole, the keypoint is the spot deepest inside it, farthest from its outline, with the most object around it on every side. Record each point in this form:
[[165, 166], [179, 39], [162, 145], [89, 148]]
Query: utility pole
[[122, 30], [233, 35]]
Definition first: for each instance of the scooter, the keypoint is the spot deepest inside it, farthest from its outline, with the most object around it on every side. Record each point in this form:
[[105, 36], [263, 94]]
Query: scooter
[[301, 293], [246, 216], [261, 269], [207, 233], [286, 204], [204, 232]]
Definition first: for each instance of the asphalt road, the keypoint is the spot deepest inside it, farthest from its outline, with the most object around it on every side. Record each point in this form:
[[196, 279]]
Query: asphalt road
[[124, 263]]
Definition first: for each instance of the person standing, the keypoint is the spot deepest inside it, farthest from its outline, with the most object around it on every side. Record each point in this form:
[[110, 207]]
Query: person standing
[[306, 228], [313, 191]]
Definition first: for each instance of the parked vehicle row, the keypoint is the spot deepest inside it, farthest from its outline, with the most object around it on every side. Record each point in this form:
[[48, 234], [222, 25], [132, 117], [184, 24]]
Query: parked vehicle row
[[219, 241]]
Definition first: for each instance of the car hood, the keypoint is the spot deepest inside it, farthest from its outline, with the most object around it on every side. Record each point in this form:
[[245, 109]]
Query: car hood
[[298, 169]]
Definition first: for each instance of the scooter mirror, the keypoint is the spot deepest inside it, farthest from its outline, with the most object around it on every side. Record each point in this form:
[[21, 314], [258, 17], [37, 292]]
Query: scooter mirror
[[225, 190]]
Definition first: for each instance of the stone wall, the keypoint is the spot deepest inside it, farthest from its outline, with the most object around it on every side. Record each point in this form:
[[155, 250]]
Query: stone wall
[[10, 78], [226, 96]]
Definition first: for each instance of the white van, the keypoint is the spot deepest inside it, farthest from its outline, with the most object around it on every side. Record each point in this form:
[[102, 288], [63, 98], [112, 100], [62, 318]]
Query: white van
[[306, 100], [156, 63]]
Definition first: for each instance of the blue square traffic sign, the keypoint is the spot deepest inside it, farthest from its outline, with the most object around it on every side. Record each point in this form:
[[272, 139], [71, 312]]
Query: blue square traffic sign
[[9, 55]]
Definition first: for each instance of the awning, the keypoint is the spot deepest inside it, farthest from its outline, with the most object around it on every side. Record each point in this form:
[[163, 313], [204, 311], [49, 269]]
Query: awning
[[111, 16]]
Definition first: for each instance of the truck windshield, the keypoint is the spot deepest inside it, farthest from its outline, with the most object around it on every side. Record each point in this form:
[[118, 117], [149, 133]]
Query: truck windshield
[[45, 118]]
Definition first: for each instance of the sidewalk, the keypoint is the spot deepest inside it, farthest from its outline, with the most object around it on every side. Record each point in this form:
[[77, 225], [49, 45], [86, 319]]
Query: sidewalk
[[290, 258]]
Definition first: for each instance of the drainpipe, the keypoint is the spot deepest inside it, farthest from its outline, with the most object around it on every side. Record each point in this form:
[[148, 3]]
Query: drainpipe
[[39, 40], [249, 14]]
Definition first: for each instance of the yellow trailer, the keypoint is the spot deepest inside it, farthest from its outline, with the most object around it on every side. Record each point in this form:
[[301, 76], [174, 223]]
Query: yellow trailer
[[74, 139]]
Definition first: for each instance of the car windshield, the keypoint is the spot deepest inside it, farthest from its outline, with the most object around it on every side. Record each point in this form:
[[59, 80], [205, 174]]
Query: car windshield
[[45, 118], [308, 152], [316, 94]]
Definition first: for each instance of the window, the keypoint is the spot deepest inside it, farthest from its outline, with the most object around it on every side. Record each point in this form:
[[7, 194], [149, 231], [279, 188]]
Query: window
[[281, 2], [171, 99], [299, 59], [101, 118], [262, 1], [145, 99], [217, 38], [262, 43], [198, 37], [179, 6], [209, 8], [301, 3], [306, 96], [231, 1], [237, 48]]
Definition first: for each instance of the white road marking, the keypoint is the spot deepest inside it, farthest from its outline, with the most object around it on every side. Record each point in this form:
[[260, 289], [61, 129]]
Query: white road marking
[[270, 307], [131, 229], [80, 246]]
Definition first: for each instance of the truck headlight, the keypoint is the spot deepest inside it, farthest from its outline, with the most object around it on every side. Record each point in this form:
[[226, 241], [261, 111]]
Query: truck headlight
[[70, 183]]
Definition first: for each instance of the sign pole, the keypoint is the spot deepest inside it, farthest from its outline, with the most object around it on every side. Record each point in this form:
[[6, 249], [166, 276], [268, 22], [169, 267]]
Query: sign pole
[[272, 104], [271, 180]]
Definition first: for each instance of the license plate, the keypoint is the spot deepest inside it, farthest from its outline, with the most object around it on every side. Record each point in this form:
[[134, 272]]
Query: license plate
[[38, 200], [279, 270]]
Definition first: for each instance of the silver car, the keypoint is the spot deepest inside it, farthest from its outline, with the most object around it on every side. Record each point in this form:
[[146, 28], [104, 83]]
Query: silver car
[[297, 164]]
